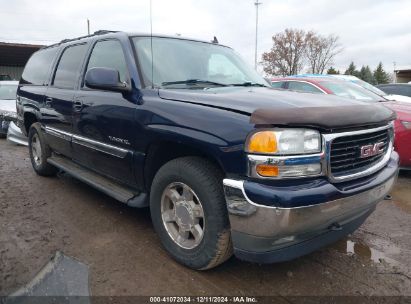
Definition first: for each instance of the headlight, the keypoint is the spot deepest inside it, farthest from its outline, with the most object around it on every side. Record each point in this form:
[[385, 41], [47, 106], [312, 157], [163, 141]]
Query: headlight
[[287, 153], [406, 124], [284, 142]]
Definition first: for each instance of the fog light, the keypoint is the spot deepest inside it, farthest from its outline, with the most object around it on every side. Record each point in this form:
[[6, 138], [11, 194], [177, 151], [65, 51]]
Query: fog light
[[267, 170], [299, 170]]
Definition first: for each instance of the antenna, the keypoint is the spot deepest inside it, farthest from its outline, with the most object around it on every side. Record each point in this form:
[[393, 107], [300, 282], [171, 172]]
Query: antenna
[[151, 42]]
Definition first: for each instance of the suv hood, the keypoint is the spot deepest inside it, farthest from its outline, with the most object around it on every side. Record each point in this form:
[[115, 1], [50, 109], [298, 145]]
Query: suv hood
[[276, 107], [8, 105]]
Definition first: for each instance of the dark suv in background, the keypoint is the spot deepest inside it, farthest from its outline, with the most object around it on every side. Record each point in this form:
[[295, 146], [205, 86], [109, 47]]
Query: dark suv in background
[[225, 163], [396, 88]]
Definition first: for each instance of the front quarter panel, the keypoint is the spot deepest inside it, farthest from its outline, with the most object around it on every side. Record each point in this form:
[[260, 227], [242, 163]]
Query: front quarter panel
[[216, 132]]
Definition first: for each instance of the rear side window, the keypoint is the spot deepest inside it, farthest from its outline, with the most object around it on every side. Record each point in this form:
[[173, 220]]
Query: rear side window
[[109, 54], [277, 84], [38, 67], [302, 87], [68, 68]]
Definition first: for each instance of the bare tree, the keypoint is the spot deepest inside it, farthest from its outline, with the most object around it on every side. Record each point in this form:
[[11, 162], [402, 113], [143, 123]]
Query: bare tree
[[293, 50], [320, 51], [286, 57]]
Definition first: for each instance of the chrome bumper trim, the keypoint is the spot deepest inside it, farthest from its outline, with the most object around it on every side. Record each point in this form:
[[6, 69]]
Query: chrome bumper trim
[[255, 160], [284, 223]]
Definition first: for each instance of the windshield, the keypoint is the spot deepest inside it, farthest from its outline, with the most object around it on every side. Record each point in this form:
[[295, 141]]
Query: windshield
[[8, 91], [349, 90], [370, 87], [182, 63]]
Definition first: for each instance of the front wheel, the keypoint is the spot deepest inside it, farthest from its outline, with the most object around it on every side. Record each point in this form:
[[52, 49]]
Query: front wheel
[[189, 212], [39, 152]]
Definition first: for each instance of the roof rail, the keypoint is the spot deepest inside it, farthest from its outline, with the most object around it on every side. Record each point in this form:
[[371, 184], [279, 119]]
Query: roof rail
[[99, 32], [102, 32]]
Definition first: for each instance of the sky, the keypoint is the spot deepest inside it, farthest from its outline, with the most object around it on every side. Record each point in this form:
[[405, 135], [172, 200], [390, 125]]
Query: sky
[[369, 31]]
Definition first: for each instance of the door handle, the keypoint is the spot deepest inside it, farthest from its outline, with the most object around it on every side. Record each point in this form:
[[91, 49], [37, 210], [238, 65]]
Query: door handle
[[49, 100], [78, 105]]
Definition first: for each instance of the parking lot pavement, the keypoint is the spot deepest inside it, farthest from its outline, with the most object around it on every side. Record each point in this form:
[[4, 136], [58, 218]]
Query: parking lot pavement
[[39, 216]]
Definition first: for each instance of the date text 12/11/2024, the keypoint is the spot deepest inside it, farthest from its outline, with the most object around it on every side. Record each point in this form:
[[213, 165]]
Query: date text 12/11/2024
[[203, 299]]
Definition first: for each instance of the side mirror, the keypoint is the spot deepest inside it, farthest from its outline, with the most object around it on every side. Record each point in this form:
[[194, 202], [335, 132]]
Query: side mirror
[[105, 79]]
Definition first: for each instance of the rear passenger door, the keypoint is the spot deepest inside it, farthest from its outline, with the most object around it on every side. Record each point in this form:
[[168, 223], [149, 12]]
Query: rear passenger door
[[104, 121], [58, 110]]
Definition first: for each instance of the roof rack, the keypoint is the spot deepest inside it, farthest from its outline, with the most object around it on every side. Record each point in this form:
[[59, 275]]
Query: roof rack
[[99, 32]]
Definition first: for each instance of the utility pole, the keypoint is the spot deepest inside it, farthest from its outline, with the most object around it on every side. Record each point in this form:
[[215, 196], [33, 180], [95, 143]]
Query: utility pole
[[395, 74], [256, 32], [88, 27]]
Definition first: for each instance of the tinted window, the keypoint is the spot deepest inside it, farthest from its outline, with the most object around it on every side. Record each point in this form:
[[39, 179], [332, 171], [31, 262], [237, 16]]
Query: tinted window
[[397, 89], [109, 54], [37, 68], [68, 68], [303, 87], [277, 84]]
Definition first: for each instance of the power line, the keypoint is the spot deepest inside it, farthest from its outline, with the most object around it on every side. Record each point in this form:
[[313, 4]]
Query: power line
[[38, 40]]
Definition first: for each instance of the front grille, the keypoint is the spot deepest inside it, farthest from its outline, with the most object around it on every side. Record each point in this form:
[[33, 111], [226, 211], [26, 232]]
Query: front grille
[[345, 155]]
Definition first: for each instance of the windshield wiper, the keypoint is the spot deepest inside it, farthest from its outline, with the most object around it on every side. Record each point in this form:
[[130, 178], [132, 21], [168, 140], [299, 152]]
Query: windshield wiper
[[248, 84], [193, 81]]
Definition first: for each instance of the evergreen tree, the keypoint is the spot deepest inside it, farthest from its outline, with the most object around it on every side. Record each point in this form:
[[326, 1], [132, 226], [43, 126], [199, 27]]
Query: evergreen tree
[[332, 71], [380, 75], [366, 75], [352, 70]]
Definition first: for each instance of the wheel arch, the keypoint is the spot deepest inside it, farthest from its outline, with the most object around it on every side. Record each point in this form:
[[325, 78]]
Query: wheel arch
[[29, 118], [163, 151]]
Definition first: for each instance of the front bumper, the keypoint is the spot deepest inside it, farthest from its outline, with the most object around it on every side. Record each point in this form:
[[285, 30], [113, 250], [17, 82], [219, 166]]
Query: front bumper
[[14, 135], [266, 234], [4, 126]]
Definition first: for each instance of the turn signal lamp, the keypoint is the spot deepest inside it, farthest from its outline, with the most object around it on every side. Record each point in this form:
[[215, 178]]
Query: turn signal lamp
[[263, 142], [267, 170]]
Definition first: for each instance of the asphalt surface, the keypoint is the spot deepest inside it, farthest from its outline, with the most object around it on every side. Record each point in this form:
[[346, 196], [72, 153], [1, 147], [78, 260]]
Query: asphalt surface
[[39, 216]]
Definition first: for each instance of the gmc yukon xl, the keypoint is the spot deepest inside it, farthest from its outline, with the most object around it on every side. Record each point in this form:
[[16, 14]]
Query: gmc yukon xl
[[225, 163]]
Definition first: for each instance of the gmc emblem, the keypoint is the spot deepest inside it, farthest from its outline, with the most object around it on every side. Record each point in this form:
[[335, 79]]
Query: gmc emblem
[[371, 150]]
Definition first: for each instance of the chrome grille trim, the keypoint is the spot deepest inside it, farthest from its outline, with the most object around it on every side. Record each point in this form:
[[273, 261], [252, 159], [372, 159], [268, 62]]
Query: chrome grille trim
[[379, 161]]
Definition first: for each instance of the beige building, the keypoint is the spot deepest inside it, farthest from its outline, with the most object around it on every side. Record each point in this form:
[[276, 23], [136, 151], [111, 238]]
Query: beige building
[[403, 75], [13, 57]]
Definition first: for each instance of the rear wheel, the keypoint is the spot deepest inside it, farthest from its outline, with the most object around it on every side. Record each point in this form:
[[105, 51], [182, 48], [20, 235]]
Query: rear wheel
[[39, 152], [189, 212]]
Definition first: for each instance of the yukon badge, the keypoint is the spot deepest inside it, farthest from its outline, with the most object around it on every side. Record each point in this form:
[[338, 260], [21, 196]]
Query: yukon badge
[[371, 150], [119, 140]]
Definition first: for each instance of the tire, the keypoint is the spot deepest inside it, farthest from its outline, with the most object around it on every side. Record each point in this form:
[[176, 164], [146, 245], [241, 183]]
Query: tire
[[205, 181], [39, 152]]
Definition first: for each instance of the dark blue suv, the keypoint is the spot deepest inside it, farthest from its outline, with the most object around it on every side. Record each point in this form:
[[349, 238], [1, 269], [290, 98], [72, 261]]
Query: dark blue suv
[[225, 163]]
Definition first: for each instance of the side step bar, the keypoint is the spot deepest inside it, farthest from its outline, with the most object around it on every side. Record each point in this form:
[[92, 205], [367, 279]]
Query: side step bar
[[105, 185]]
